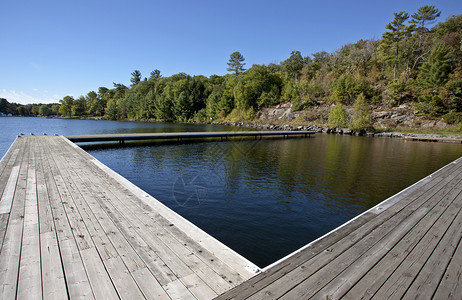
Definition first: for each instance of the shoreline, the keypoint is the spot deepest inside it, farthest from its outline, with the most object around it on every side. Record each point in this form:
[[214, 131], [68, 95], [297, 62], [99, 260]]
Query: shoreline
[[429, 137]]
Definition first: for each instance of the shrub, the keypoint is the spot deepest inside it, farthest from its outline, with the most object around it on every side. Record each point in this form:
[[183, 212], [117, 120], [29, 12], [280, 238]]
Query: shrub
[[453, 117], [337, 117]]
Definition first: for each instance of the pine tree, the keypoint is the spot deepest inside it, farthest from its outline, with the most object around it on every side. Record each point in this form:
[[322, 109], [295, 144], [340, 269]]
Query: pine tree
[[236, 63], [399, 31], [136, 77], [425, 15]]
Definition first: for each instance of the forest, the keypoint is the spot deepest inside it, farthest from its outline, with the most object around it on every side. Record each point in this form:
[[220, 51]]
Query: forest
[[418, 61]]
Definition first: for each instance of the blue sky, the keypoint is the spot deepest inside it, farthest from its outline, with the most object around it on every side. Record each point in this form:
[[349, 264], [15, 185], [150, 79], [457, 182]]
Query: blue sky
[[53, 48]]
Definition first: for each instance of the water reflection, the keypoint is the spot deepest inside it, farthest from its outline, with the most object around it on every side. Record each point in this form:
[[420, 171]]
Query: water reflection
[[267, 198]]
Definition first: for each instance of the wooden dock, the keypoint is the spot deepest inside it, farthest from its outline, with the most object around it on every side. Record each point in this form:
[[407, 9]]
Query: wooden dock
[[407, 247], [72, 228], [179, 136], [433, 139]]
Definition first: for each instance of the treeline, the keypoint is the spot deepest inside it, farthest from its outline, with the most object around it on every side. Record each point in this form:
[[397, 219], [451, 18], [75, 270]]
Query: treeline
[[27, 110], [414, 62]]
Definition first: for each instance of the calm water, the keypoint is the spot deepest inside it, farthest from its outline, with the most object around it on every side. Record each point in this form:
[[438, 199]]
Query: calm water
[[264, 198]]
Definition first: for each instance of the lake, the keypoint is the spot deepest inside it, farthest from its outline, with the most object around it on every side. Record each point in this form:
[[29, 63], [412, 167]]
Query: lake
[[263, 198]]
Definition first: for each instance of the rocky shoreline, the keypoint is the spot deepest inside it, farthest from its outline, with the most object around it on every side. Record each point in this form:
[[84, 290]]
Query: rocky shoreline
[[343, 131], [404, 115]]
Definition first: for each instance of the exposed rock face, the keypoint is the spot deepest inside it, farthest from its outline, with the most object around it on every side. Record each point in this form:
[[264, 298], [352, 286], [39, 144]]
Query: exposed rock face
[[382, 117], [282, 112], [389, 118]]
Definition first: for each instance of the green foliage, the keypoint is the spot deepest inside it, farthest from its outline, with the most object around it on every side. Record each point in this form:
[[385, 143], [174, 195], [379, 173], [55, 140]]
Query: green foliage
[[361, 119], [337, 117], [66, 106], [433, 75], [257, 88], [78, 108], [155, 75], [453, 117], [136, 77], [435, 71], [392, 39], [44, 110], [236, 63], [301, 94], [239, 115], [112, 111], [425, 15], [451, 94], [293, 65]]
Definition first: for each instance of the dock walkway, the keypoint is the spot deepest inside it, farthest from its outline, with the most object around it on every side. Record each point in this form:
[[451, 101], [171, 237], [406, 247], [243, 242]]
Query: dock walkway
[[120, 137], [72, 228]]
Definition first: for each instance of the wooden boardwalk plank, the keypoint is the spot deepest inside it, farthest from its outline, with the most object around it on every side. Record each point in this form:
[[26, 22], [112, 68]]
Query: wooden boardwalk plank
[[30, 284], [450, 286], [77, 282], [11, 250], [381, 260]]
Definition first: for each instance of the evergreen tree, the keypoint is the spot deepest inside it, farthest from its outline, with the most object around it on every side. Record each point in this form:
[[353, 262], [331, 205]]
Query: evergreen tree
[[399, 31], [155, 74], [236, 63], [424, 16], [136, 77], [435, 71]]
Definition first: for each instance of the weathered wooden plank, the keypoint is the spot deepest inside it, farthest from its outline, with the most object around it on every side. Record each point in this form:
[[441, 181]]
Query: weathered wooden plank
[[177, 290], [394, 230], [149, 285], [53, 281], [122, 279], [403, 276], [44, 207], [100, 281], [30, 280], [8, 194], [370, 270], [11, 250], [94, 266], [368, 285], [430, 275], [196, 285], [3, 225], [10, 159], [450, 286], [77, 281]]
